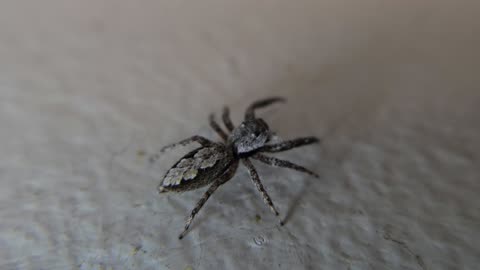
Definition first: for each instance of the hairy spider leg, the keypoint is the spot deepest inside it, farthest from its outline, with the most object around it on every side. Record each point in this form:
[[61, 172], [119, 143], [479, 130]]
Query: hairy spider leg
[[287, 145], [250, 112], [223, 179], [226, 119], [199, 139], [199, 206], [214, 125], [283, 164], [258, 184]]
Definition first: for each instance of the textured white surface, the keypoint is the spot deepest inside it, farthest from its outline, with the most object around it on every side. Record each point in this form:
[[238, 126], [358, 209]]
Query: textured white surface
[[393, 89]]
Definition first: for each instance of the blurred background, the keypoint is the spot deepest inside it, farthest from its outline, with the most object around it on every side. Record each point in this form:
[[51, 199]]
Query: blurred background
[[89, 89]]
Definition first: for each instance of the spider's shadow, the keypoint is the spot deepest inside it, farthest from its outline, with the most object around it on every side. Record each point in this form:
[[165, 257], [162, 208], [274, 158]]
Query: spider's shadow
[[296, 200]]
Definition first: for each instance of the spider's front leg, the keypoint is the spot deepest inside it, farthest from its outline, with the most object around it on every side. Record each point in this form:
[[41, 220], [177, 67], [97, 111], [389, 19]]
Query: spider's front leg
[[258, 184], [199, 139], [250, 113]]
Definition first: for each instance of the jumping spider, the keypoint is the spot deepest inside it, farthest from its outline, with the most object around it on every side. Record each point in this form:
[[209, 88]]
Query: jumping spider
[[216, 163]]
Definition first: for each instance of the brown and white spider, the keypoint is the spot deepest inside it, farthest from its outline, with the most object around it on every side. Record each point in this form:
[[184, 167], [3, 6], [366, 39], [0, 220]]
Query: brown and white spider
[[216, 163]]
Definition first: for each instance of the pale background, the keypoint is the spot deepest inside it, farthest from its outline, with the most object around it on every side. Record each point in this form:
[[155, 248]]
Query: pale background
[[89, 88]]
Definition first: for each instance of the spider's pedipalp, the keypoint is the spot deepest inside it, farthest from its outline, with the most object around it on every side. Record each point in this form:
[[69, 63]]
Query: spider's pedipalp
[[283, 164]]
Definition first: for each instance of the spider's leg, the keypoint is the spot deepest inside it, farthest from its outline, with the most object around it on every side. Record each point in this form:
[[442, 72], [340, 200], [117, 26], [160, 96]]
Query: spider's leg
[[217, 128], [226, 119], [258, 184], [199, 139], [224, 178], [287, 145], [250, 113], [283, 163], [199, 206]]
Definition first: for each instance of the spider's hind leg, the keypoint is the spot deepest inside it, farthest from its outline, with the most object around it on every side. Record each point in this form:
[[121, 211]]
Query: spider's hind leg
[[226, 119], [199, 206], [199, 139], [229, 173], [214, 125]]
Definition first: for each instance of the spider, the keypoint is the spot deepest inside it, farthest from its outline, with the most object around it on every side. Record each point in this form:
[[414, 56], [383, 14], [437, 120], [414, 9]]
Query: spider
[[215, 163]]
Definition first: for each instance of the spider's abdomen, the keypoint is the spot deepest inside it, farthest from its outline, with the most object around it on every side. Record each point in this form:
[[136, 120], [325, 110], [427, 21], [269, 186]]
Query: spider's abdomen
[[196, 169]]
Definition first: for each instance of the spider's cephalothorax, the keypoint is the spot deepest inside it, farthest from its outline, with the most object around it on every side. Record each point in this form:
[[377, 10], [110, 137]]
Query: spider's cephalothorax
[[249, 136], [214, 163]]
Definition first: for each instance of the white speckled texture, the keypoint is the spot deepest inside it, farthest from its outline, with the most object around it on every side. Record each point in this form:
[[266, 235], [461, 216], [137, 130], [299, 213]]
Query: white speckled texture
[[89, 88]]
